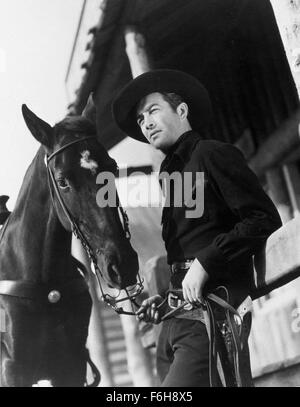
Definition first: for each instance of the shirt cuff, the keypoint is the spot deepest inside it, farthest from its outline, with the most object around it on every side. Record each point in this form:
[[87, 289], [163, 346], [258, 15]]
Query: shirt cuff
[[212, 260]]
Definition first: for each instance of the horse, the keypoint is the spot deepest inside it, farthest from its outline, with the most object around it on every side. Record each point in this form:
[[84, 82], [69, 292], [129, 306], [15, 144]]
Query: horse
[[43, 291]]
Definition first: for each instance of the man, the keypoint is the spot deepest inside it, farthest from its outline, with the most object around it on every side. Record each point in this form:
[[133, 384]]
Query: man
[[170, 110]]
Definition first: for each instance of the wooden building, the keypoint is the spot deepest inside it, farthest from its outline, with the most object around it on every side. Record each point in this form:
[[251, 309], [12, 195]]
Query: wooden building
[[247, 54]]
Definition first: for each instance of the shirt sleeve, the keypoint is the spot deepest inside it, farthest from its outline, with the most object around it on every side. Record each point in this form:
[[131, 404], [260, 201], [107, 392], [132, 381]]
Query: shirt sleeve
[[239, 189]]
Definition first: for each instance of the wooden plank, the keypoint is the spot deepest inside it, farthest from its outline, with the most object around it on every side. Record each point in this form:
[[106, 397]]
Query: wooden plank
[[279, 262], [288, 21], [285, 374], [282, 142]]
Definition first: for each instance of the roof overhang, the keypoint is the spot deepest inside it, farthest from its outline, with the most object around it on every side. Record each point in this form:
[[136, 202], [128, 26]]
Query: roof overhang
[[232, 46]]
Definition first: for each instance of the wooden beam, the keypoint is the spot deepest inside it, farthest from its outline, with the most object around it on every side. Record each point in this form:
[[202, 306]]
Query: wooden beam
[[279, 193], [292, 175], [272, 152], [136, 51], [279, 262]]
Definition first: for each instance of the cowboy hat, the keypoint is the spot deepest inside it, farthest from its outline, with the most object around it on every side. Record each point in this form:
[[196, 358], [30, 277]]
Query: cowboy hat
[[188, 87]]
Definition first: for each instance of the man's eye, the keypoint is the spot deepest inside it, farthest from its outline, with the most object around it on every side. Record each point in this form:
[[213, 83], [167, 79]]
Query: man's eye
[[63, 183]]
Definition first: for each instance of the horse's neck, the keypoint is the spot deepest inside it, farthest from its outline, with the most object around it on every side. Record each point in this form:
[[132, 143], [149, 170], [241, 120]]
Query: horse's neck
[[34, 245]]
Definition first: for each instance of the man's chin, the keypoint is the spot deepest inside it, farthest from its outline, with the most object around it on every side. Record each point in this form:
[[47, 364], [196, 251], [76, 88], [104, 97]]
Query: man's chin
[[157, 143], [161, 146]]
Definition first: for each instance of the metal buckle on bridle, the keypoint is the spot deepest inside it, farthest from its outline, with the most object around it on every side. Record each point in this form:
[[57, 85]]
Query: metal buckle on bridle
[[114, 301], [107, 298]]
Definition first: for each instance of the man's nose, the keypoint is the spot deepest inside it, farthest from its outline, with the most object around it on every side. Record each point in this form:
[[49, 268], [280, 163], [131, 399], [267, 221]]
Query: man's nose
[[149, 123]]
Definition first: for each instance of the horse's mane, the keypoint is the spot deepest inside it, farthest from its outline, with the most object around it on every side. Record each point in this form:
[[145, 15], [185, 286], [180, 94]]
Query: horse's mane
[[75, 125]]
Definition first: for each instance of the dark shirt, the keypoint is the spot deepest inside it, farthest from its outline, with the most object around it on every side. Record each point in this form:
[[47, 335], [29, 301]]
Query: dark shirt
[[238, 216]]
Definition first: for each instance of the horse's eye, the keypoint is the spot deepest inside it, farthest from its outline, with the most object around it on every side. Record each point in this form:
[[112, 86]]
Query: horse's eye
[[63, 183]]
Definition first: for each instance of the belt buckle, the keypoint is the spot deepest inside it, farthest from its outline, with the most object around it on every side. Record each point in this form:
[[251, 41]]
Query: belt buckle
[[174, 302]]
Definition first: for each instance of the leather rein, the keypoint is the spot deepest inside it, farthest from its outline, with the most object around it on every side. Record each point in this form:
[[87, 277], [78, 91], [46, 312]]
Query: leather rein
[[34, 291]]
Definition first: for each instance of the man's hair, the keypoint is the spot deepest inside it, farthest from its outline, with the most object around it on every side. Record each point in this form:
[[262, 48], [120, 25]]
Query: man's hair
[[173, 99]]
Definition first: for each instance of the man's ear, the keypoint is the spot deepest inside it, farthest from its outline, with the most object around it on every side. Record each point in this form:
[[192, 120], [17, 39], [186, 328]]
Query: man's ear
[[40, 130], [182, 110]]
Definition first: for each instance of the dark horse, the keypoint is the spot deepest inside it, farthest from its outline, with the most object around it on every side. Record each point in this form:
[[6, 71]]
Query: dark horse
[[43, 293]]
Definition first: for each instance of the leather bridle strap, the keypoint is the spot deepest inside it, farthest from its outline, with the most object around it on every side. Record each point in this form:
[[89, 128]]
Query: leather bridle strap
[[54, 183], [49, 158]]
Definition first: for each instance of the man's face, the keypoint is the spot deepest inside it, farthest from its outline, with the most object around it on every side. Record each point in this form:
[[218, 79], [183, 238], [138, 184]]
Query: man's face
[[159, 123]]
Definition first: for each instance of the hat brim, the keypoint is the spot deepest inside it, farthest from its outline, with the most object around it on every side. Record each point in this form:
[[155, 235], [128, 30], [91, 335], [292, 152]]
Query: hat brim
[[188, 87]]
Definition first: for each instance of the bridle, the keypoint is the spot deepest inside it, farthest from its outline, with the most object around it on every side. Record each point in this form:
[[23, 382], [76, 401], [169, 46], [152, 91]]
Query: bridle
[[113, 302]]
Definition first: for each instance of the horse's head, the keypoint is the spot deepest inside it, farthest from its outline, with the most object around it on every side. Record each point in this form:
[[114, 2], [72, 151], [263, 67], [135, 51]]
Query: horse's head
[[77, 161]]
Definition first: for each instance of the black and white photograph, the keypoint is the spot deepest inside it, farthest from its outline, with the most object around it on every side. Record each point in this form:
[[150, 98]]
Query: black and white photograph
[[149, 196]]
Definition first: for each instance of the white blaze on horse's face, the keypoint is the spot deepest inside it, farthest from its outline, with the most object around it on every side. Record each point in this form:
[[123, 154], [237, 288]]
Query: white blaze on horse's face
[[87, 163]]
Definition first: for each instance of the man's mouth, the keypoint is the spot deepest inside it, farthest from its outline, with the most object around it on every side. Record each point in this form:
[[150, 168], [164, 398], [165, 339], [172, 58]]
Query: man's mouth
[[154, 133]]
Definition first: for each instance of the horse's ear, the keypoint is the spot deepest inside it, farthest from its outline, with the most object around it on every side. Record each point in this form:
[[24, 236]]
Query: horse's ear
[[40, 130], [90, 110]]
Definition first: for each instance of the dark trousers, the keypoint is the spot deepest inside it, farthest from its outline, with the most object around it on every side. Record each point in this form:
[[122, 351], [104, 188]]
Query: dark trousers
[[183, 354]]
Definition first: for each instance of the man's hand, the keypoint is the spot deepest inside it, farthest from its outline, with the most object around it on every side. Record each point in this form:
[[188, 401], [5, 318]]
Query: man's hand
[[148, 311], [193, 282]]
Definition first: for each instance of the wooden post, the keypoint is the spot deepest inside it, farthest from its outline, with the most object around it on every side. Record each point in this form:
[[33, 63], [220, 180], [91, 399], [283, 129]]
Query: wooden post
[[136, 51], [279, 194], [292, 176], [140, 62]]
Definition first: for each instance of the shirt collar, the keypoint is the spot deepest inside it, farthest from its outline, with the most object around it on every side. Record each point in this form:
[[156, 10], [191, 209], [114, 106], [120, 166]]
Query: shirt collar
[[182, 148]]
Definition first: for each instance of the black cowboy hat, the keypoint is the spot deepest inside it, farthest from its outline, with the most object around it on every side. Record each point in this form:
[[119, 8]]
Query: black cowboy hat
[[188, 87]]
